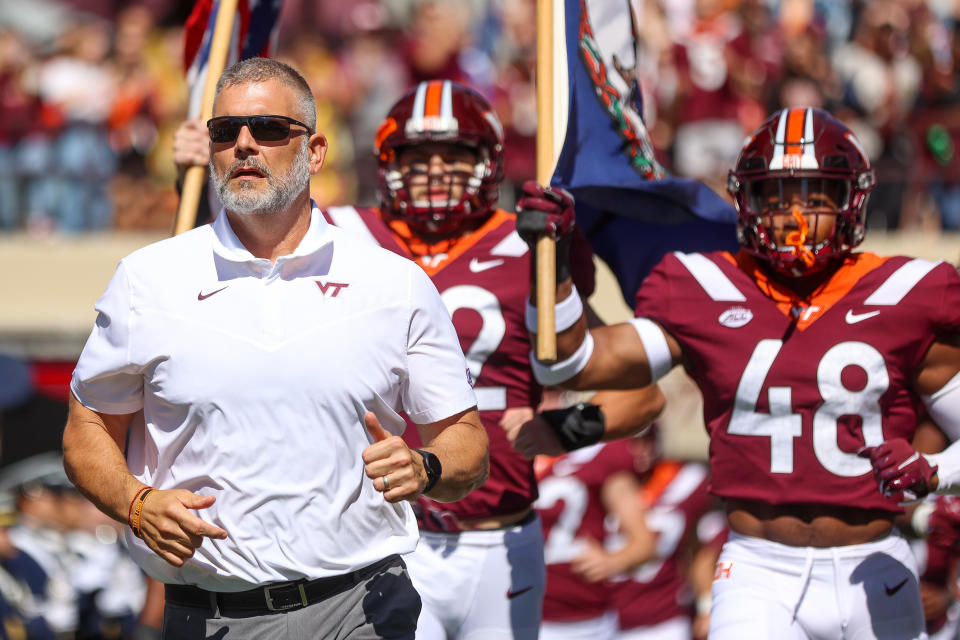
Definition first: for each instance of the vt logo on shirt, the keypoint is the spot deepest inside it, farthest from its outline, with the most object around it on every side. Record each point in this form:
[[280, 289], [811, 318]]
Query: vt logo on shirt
[[333, 288]]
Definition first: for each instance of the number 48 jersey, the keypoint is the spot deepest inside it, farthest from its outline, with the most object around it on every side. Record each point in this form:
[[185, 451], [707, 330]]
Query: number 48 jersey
[[793, 389]]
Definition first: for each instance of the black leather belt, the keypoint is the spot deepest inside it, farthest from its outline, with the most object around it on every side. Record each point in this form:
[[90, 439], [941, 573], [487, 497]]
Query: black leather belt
[[277, 596]]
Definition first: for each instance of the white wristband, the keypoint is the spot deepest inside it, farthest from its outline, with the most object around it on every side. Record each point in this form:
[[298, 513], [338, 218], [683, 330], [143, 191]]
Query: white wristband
[[655, 344], [565, 314], [550, 374]]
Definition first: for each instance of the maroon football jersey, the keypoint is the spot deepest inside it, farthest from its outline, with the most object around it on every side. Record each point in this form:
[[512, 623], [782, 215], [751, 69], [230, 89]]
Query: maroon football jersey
[[676, 497], [792, 389], [571, 509], [484, 281]]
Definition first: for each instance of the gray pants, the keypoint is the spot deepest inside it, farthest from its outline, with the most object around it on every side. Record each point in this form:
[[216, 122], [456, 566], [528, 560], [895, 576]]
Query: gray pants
[[384, 606]]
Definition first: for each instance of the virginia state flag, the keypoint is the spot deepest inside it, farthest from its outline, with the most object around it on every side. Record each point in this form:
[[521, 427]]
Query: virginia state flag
[[629, 207], [254, 34]]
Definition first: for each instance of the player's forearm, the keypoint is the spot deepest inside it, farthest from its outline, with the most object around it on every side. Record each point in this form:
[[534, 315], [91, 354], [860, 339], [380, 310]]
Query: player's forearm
[[95, 464], [631, 556], [463, 449], [626, 413], [619, 495]]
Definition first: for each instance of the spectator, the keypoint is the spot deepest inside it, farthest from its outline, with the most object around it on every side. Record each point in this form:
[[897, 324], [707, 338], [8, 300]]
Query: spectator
[[755, 60], [19, 115], [880, 80], [706, 105], [80, 161]]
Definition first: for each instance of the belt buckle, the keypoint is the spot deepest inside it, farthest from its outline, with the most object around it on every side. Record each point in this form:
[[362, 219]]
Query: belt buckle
[[284, 606]]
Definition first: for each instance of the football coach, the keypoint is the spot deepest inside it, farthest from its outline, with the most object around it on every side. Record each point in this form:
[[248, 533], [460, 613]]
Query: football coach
[[272, 356]]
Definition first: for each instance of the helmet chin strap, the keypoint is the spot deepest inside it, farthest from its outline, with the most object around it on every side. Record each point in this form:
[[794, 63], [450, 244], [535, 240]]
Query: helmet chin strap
[[797, 239]]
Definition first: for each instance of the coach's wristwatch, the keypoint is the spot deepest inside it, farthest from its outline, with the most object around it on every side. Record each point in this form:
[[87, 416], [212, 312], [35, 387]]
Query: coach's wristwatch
[[431, 464]]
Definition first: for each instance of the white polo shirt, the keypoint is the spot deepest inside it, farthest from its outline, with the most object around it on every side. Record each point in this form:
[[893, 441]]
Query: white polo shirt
[[254, 379]]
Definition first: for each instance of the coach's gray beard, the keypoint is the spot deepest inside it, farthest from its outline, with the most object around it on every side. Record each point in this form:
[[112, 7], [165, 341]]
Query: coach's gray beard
[[279, 195]]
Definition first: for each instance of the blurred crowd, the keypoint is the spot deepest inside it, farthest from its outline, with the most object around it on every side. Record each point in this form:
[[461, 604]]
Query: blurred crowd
[[91, 91]]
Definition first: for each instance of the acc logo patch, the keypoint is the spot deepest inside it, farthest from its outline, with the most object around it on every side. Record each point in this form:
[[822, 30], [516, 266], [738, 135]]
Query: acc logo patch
[[735, 317], [470, 378]]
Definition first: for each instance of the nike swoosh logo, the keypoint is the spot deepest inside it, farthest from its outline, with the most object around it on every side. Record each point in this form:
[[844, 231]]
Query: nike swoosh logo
[[513, 594], [892, 590], [477, 266], [204, 296], [854, 318]]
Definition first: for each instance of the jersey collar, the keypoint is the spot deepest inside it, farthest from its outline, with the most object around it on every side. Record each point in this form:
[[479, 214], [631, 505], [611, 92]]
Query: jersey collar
[[311, 256]]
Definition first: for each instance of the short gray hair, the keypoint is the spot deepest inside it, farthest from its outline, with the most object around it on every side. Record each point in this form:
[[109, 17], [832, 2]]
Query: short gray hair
[[255, 70]]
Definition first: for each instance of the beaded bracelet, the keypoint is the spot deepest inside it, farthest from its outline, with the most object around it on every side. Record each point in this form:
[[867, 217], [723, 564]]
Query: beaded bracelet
[[135, 517]]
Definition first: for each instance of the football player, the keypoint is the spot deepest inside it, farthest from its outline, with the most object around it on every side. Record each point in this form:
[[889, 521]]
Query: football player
[[479, 565], [656, 599], [813, 360], [579, 492]]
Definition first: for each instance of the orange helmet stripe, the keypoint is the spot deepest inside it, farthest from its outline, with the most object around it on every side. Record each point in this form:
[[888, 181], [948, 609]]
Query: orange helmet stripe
[[792, 143], [432, 102]]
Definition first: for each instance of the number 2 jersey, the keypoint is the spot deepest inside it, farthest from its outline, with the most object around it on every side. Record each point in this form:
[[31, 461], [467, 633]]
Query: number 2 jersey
[[483, 280], [793, 389], [571, 510]]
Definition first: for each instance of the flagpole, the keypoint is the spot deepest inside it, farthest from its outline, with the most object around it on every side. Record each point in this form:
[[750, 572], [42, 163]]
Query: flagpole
[[546, 247], [219, 47]]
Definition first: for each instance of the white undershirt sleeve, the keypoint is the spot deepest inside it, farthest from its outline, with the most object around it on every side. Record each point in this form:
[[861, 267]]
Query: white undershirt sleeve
[[944, 408]]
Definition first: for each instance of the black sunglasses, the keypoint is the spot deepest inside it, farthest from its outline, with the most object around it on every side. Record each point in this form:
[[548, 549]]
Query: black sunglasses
[[266, 128]]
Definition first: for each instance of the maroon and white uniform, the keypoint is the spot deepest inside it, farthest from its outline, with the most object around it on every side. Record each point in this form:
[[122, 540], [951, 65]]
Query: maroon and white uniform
[[483, 281], [675, 497], [793, 390], [571, 510]]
